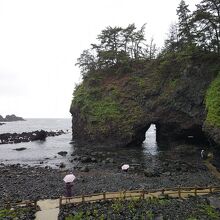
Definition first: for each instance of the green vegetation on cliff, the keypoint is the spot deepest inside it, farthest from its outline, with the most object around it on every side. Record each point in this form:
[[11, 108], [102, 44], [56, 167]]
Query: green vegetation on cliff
[[101, 105], [213, 103]]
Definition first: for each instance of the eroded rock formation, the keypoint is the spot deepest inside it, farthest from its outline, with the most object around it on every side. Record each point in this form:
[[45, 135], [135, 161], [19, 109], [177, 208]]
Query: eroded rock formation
[[117, 109]]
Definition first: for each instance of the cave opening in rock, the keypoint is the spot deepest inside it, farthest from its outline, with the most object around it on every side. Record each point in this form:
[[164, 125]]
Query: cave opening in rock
[[150, 143]]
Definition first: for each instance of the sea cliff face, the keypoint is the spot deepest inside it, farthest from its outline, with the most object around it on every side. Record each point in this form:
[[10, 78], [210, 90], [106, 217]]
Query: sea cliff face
[[115, 109]]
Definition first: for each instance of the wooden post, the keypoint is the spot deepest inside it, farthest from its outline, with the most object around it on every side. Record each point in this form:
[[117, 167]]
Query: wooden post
[[195, 190], [8, 206], [143, 193], [124, 194], [35, 204], [162, 191], [60, 202], [104, 196], [179, 192], [210, 189], [83, 198]]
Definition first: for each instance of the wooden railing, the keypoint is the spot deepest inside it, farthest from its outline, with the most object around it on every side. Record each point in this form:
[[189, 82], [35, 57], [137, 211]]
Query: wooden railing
[[24, 203], [178, 192]]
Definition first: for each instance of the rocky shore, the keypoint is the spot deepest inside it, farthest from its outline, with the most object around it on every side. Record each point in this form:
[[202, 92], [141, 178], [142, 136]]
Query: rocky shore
[[99, 170], [13, 138], [24, 182]]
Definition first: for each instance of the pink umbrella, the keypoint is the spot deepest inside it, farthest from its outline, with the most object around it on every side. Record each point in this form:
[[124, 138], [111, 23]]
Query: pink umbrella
[[125, 167], [69, 178]]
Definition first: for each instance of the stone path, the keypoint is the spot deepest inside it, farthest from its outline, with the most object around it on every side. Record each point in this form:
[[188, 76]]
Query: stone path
[[49, 209]]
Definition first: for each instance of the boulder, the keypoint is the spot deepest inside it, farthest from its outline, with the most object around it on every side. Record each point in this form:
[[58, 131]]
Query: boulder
[[214, 201], [86, 159], [85, 169], [20, 149], [62, 165], [62, 153]]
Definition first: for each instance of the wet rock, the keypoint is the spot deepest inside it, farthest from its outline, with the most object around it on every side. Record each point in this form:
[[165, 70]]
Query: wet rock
[[159, 217], [94, 160], [85, 169], [62, 165], [151, 173], [86, 159], [10, 138], [214, 201], [109, 160], [62, 153], [41, 135], [20, 149], [166, 173]]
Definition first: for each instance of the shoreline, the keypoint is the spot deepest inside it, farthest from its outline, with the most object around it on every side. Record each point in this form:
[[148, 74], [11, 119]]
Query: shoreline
[[34, 183]]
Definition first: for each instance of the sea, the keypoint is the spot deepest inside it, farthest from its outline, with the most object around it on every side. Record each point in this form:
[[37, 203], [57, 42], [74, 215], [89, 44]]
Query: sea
[[42, 153], [45, 153]]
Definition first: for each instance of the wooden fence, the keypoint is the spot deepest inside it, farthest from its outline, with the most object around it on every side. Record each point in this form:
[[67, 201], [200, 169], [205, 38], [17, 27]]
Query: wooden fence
[[25, 203], [179, 192]]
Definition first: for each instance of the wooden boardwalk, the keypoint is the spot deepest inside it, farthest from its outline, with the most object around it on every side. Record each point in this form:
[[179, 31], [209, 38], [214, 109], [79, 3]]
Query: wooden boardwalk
[[180, 192]]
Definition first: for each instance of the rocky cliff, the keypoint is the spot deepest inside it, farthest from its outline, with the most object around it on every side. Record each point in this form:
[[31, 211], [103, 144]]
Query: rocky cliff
[[117, 107]]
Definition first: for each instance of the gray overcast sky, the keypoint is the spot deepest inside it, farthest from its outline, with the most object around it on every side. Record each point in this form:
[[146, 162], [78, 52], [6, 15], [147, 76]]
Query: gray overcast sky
[[40, 41]]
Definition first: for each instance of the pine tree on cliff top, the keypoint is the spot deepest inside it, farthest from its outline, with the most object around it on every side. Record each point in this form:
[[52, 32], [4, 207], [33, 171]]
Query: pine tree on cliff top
[[207, 20]]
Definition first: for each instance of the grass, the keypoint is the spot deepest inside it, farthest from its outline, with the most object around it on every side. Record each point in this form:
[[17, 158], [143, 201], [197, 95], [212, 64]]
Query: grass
[[210, 211], [213, 103], [13, 213]]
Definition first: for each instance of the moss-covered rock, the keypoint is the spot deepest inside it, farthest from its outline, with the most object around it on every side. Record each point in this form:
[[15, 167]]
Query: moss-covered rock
[[212, 122], [114, 108]]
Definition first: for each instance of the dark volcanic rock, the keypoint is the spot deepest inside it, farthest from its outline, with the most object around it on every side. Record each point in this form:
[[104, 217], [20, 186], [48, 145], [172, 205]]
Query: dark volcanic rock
[[62, 153], [41, 135], [169, 94], [13, 138], [20, 149]]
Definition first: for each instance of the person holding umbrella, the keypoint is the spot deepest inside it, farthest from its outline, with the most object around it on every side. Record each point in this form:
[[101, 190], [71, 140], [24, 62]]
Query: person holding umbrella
[[68, 179]]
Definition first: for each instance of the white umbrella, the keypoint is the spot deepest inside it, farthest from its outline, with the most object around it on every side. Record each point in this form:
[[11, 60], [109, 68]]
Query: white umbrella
[[125, 167], [69, 178]]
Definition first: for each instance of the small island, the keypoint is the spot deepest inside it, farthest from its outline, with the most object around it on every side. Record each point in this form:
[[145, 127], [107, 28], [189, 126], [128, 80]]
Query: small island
[[9, 118]]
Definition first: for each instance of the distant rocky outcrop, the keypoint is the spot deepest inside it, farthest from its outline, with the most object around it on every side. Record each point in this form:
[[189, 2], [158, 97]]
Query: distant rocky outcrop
[[9, 118]]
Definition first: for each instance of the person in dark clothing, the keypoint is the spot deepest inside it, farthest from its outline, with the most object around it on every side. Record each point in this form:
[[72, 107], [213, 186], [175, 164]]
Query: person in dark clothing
[[69, 189]]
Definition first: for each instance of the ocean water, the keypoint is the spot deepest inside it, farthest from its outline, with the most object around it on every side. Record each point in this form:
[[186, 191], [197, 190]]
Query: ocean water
[[40, 153], [45, 153]]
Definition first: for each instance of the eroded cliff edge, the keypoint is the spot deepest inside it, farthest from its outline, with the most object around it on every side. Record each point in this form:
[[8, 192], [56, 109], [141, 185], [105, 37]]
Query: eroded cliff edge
[[115, 107]]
